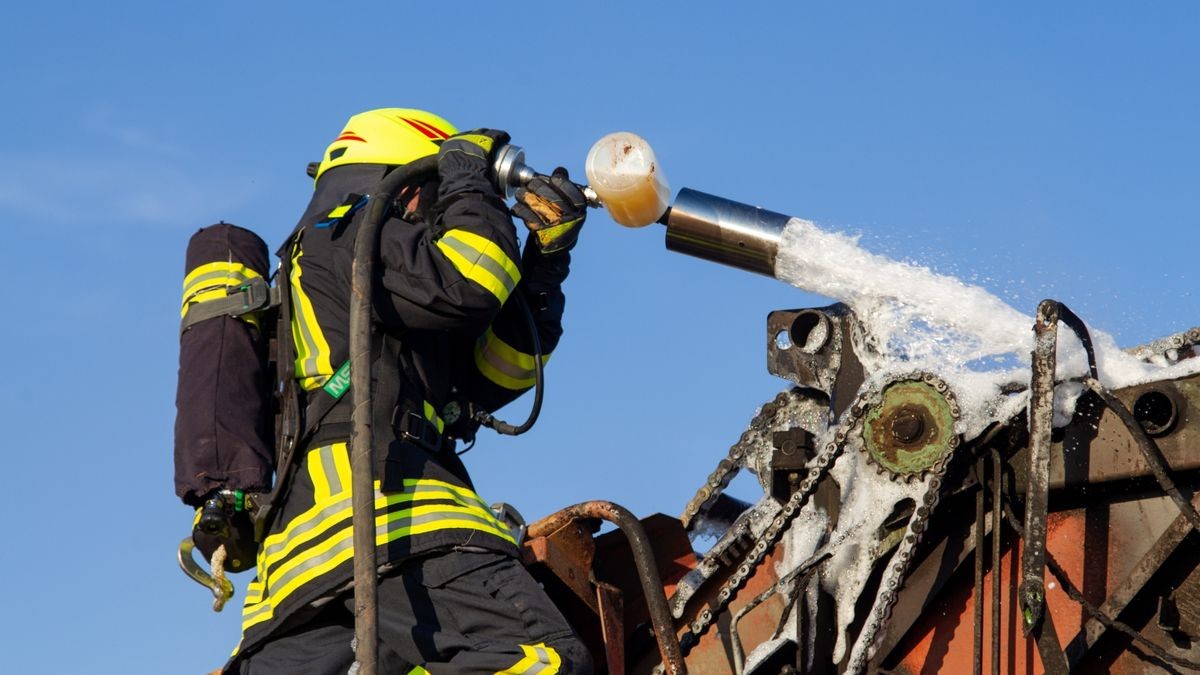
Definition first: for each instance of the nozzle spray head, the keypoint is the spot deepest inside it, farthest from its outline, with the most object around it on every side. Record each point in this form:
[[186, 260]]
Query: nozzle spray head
[[511, 172]]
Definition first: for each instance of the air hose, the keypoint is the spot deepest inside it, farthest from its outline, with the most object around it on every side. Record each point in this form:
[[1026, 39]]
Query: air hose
[[487, 419]]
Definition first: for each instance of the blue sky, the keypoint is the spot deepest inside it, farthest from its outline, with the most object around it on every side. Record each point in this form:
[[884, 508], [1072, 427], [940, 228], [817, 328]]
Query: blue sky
[[1038, 151]]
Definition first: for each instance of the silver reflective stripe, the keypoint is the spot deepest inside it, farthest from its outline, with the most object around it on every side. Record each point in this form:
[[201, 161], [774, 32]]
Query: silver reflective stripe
[[380, 531], [339, 547], [308, 366], [223, 276], [309, 525], [497, 361], [543, 663], [414, 521], [330, 469], [471, 253], [263, 607]]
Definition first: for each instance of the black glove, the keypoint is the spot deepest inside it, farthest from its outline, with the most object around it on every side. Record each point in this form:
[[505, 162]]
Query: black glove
[[219, 522], [553, 209], [465, 161]]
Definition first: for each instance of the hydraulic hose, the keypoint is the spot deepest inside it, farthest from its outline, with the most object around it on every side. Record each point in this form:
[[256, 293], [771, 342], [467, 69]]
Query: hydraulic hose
[[362, 291]]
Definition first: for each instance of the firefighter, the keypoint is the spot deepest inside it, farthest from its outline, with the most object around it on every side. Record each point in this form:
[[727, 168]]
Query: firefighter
[[453, 596]]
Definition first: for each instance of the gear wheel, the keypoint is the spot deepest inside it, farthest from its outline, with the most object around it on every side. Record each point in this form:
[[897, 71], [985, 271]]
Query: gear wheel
[[908, 429]]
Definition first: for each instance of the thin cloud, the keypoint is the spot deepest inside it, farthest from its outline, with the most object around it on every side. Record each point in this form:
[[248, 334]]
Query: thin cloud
[[112, 126], [102, 190]]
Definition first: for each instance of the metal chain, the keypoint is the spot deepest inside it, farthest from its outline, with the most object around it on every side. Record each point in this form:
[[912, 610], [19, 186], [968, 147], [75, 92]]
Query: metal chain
[[850, 428], [729, 467], [893, 578], [819, 468]]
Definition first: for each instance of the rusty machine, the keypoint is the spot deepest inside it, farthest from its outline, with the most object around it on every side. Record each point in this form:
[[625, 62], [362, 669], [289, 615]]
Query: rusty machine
[[902, 528]]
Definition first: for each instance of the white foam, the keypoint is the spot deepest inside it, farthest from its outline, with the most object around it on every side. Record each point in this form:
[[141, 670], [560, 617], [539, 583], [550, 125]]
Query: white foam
[[917, 319]]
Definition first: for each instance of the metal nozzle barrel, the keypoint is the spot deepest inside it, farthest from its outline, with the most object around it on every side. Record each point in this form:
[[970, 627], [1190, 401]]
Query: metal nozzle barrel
[[511, 172], [725, 231]]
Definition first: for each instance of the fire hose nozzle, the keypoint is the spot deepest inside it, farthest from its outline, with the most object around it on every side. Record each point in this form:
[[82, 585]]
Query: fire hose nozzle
[[511, 172], [724, 231]]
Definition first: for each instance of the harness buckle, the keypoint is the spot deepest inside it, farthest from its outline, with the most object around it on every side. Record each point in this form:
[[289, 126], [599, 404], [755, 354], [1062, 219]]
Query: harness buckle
[[417, 430]]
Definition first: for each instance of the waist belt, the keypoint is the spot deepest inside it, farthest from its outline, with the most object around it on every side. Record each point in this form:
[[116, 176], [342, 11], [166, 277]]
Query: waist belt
[[408, 426]]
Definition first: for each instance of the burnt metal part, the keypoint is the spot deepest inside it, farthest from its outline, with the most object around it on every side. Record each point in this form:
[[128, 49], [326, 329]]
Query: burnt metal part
[[815, 348], [725, 231], [1049, 648], [610, 604], [894, 573], [1096, 613], [819, 467], [1170, 347], [997, 506], [728, 468], [1150, 452], [643, 557], [1119, 598], [852, 424], [796, 579], [911, 429], [1099, 453], [1157, 412], [1032, 592], [793, 448], [980, 543]]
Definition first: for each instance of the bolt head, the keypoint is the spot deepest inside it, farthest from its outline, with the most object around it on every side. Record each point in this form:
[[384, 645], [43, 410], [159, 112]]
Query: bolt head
[[907, 426]]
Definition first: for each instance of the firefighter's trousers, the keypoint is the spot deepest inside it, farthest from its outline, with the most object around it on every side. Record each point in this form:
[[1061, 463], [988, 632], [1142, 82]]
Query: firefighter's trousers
[[462, 612]]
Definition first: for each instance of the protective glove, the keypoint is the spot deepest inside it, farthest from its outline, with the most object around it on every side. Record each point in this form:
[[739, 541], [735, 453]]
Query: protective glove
[[465, 161], [221, 521], [553, 209]]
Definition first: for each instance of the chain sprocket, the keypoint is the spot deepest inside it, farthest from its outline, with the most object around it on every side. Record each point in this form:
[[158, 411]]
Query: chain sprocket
[[929, 469], [916, 393]]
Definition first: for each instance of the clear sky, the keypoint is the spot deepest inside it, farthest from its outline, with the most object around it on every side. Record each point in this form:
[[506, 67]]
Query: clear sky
[[1037, 150]]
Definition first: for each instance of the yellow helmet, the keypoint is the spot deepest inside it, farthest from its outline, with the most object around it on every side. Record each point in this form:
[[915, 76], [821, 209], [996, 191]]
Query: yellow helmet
[[386, 136]]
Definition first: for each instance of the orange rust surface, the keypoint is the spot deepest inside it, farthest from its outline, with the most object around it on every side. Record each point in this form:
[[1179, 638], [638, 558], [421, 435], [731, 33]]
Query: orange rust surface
[[945, 635], [712, 655]]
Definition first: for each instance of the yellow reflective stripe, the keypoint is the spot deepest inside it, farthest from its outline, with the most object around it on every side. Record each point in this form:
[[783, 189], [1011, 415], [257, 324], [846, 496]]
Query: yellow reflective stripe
[[317, 520], [211, 281], [215, 275], [324, 474], [432, 417], [539, 659], [470, 513], [434, 517], [257, 613], [482, 261], [503, 364], [459, 494], [254, 591], [313, 366], [339, 548]]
